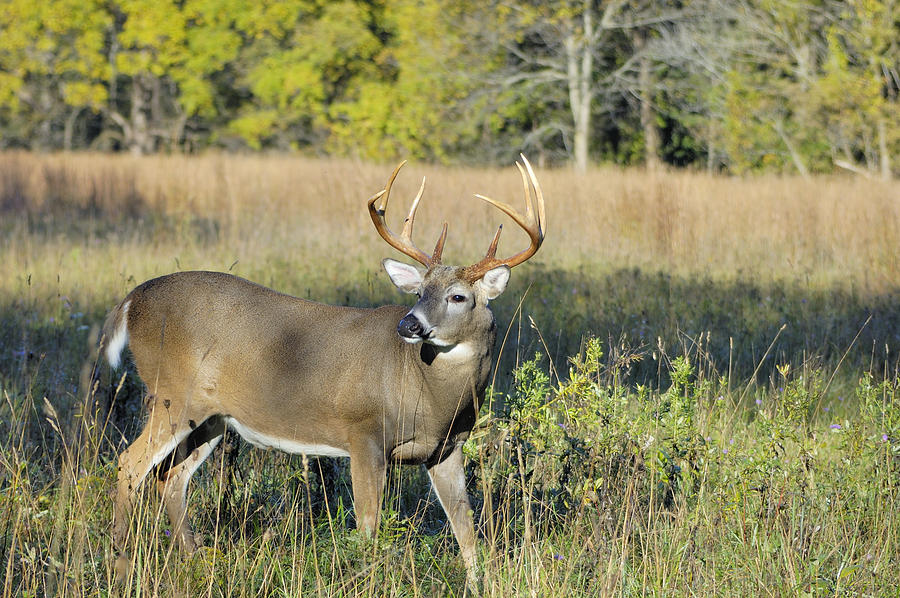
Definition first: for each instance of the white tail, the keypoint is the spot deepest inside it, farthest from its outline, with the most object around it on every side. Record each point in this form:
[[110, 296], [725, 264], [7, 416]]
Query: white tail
[[383, 385], [118, 338]]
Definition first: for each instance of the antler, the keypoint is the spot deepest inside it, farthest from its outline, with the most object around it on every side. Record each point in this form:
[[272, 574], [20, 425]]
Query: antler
[[534, 222], [404, 243]]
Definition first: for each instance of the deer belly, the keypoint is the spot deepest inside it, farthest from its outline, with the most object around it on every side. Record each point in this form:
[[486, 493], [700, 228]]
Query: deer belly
[[288, 445]]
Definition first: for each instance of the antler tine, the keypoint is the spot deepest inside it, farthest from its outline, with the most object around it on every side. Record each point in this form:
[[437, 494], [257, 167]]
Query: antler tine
[[408, 223], [439, 246], [533, 222], [529, 212], [386, 192], [403, 242], [538, 197]]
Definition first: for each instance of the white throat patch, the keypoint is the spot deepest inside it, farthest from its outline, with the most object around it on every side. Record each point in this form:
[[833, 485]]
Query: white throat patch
[[458, 352]]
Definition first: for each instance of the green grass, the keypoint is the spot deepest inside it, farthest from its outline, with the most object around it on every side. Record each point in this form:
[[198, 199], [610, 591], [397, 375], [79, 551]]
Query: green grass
[[695, 424]]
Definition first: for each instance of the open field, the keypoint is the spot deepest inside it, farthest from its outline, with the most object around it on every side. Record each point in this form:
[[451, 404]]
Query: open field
[[713, 412]]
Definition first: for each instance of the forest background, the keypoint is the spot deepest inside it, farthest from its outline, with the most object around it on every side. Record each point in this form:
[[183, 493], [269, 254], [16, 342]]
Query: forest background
[[726, 85]]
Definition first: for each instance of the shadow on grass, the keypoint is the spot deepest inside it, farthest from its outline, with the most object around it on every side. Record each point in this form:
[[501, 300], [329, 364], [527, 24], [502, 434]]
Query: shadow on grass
[[743, 326]]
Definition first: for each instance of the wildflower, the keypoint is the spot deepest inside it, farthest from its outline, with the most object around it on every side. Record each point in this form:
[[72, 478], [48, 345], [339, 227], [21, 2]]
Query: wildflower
[[759, 401], [835, 426], [558, 557], [884, 437], [827, 409], [724, 451]]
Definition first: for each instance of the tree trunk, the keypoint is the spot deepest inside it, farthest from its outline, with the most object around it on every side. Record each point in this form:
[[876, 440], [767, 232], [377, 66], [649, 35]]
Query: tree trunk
[[885, 156], [645, 95], [579, 68], [69, 130], [177, 132], [140, 139], [796, 158]]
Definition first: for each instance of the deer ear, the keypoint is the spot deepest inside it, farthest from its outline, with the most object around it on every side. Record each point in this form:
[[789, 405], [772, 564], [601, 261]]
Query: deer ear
[[494, 281], [405, 277]]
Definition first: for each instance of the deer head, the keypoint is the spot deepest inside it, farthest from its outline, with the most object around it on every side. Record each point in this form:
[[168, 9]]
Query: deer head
[[449, 295]]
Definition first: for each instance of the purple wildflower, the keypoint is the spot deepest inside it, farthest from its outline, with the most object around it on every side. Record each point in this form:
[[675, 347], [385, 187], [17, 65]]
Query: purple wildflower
[[835, 426]]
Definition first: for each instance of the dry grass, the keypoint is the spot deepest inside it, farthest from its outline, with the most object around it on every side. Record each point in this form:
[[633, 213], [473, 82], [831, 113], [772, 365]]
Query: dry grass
[[825, 232]]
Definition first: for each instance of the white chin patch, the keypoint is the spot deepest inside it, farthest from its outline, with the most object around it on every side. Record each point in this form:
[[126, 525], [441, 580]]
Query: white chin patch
[[439, 342], [412, 341]]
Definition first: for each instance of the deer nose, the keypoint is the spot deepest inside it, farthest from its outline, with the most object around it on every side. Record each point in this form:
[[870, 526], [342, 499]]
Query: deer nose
[[410, 327]]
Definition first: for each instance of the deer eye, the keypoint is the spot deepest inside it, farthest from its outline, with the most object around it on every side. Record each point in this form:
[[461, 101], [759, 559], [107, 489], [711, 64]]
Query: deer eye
[[457, 298]]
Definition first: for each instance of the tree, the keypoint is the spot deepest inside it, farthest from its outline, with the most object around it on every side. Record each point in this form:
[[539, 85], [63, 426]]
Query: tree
[[553, 51], [587, 56], [857, 93], [299, 63], [421, 99], [163, 53], [52, 68], [644, 24], [804, 84]]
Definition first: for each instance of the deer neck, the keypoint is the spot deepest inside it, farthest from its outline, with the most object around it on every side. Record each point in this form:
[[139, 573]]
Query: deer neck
[[457, 370]]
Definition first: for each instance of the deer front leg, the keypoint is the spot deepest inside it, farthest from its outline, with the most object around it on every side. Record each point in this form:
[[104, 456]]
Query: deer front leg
[[367, 470], [449, 480]]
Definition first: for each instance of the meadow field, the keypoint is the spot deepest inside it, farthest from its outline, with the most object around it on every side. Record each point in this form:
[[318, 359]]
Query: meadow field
[[695, 394]]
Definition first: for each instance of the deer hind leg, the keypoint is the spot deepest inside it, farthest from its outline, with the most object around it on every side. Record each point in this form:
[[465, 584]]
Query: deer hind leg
[[160, 436], [449, 480], [174, 475]]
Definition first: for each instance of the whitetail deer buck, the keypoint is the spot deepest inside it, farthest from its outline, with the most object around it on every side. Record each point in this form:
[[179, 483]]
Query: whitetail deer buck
[[383, 385]]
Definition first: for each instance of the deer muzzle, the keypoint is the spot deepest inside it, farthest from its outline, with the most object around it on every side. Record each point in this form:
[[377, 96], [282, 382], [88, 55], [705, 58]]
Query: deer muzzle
[[411, 329]]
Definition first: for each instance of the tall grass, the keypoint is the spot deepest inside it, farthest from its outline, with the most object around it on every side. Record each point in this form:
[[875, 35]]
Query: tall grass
[[825, 231], [712, 411]]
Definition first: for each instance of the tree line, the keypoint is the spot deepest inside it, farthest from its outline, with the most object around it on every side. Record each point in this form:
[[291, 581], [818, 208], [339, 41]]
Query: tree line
[[800, 86]]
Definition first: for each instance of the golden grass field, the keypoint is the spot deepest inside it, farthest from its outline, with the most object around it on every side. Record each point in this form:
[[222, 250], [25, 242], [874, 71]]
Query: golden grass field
[[835, 231], [714, 411]]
